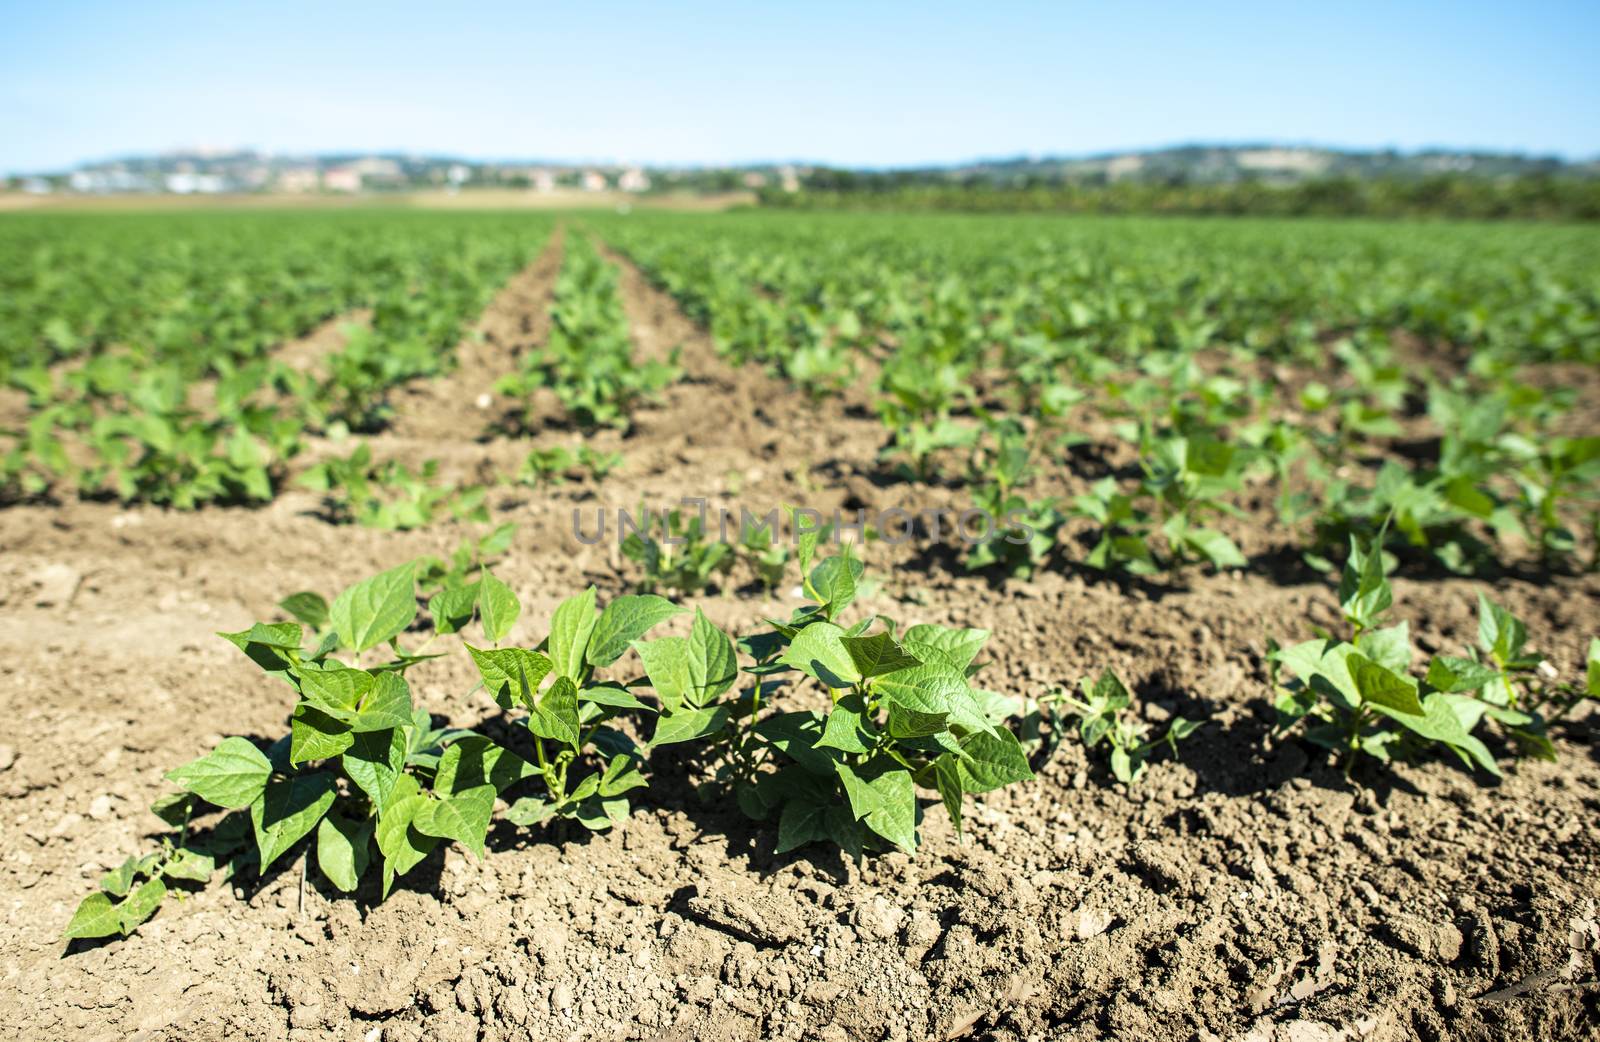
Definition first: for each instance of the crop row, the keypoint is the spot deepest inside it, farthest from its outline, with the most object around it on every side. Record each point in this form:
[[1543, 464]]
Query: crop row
[[828, 730], [1359, 378], [145, 345]]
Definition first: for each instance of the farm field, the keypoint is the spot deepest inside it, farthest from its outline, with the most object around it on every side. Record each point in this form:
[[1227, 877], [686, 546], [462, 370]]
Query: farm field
[[1211, 647]]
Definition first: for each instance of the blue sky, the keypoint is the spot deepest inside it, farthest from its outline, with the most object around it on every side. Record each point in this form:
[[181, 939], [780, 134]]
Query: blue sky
[[886, 83]]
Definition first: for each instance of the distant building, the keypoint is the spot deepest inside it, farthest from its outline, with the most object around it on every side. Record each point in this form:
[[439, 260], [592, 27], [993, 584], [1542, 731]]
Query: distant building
[[298, 180], [1282, 160], [376, 167], [754, 179], [593, 181], [36, 186], [788, 179], [542, 180], [1124, 166], [634, 180], [342, 179], [458, 174], [188, 183]]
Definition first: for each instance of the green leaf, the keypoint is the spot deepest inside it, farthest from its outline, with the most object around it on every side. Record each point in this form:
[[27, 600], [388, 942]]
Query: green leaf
[[712, 665], [374, 762], [475, 761], [991, 761], [336, 690], [314, 735], [624, 621], [1456, 675], [1389, 647], [613, 695], [1439, 721], [141, 904], [464, 817], [834, 581], [498, 607], [310, 608], [599, 813], [1364, 591], [507, 671], [402, 846], [120, 879], [878, 654], [819, 651], [556, 715], [571, 629], [376, 609], [947, 779], [287, 810], [1214, 547], [344, 849], [1384, 687], [688, 724], [800, 823], [192, 866], [453, 607], [960, 645], [933, 688], [387, 706], [174, 808], [895, 819], [839, 825], [858, 789], [689, 670], [285, 636], [96, 916], [908, 723], [621, 775], [843, 728], [796, 735], [529, 811], [232, 775]]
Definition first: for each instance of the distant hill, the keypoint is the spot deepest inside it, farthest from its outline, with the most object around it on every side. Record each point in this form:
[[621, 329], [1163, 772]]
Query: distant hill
[[1223, 164], [367, 172]]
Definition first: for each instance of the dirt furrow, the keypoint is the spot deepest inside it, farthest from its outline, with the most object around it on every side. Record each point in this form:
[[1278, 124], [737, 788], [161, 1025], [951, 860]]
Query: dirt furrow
[[461, 404]]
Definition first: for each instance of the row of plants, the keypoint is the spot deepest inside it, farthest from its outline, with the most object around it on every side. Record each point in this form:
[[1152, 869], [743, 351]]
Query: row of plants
[[828, 729], [144, 343], [588, 361], [827, 725], [1238, 362]]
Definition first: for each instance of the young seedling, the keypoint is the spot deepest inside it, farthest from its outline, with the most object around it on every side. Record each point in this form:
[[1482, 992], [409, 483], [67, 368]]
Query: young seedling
[[363, 766], [675, 553], [901, 715], [390, 495], [1105, 715], [569, 717], [1358, 696]]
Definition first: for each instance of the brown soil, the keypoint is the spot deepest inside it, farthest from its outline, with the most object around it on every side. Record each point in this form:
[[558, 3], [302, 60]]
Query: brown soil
[[1247, 892]]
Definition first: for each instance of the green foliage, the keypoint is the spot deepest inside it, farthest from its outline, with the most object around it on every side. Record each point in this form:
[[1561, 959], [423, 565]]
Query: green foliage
[[1359, 695], [1022, 531], [588, 360], [546, 467], [390, 495], [145, 341], [586, 765], [675, 553], [1105, 716], [900, 715]]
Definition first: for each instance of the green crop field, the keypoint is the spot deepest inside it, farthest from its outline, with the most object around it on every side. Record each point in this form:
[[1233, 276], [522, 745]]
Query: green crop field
[[1328, 486]]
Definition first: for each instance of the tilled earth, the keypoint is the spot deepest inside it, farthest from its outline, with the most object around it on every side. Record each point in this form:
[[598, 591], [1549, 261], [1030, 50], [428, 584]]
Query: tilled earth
[[1248, 891]]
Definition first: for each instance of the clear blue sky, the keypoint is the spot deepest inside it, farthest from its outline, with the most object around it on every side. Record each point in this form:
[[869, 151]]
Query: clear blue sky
[[884, 83]]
